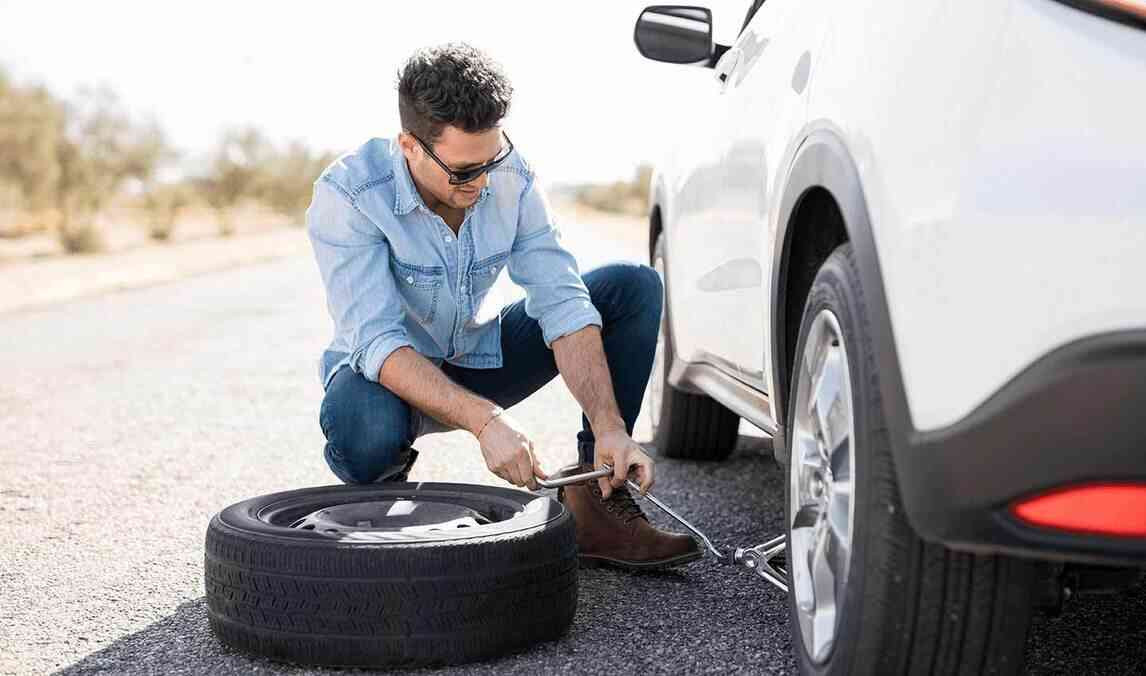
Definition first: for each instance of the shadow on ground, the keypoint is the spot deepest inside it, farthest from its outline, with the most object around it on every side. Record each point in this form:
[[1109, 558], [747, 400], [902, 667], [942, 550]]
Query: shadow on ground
[[699, 619]]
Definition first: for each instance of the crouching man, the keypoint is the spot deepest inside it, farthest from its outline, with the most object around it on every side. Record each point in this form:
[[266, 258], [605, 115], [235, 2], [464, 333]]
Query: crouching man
[[409, 234]]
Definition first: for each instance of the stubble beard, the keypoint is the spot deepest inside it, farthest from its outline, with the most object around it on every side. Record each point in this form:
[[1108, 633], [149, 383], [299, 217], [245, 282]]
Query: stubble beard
[[462, 201]]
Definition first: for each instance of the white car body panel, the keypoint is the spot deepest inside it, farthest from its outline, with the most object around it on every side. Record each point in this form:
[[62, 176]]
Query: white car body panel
[[1005, 179], [728, 189], [1002, 151]]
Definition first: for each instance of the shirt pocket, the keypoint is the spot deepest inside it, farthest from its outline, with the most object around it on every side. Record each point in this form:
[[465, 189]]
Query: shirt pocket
[[420, 287], [484, 272], [484, 306]]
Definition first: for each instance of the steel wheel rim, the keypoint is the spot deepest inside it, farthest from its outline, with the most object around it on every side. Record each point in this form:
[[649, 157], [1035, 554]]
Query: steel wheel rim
[[656, 384], [822, 482], [400, 518]]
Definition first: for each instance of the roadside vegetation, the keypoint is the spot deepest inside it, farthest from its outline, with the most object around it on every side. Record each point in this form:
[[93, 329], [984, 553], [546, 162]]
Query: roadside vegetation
[[620, 197], [75, 168], [82, 175]]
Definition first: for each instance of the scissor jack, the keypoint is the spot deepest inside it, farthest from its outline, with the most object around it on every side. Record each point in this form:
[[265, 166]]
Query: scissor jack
[[757, 559]]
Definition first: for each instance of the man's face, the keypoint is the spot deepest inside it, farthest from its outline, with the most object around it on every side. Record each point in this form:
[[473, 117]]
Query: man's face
[[459, 151]]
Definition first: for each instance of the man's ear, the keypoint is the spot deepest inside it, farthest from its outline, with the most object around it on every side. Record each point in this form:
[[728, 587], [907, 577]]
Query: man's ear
[[408, 144]]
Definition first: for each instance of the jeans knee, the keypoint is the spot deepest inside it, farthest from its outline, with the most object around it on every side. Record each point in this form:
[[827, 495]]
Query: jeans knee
[[363, 446], [364, 462], [629, 289], [646, 294]]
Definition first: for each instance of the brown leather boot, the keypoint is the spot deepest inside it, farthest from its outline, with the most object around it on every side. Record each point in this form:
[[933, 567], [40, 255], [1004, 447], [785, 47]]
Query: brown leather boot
[[617, 532]]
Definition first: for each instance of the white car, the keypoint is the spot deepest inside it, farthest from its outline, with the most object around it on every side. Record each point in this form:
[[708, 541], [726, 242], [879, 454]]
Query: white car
[[910, 243]]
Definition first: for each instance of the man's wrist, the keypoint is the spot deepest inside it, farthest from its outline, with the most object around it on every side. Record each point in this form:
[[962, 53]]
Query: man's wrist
[[606, 424], [491, 412]]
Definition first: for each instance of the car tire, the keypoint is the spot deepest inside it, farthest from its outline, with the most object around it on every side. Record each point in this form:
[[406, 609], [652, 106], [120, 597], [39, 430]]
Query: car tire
[[904, 606], [279, 587], [686, 426]]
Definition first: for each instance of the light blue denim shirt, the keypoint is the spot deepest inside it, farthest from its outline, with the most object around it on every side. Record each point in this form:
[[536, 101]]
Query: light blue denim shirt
[[396, 275]]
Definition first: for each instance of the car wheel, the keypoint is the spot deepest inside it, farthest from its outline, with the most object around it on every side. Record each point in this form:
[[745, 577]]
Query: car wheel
[[868, 596], [391, 574], [685, 425]]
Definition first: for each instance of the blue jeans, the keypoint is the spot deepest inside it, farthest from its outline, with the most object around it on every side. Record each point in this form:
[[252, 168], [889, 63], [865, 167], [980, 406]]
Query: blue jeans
[[369, 429]]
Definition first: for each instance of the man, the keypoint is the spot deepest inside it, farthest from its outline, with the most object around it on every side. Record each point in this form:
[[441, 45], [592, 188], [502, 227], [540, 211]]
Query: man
[[409, 235]]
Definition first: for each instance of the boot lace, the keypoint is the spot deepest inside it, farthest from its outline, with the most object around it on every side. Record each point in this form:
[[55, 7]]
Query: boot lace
[[621, 503]]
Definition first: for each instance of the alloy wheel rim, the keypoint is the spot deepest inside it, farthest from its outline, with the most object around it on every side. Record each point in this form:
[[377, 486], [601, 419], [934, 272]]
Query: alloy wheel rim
[[821, 476]]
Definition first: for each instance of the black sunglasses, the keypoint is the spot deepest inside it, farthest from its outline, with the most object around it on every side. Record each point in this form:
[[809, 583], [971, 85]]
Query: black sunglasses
[[466, 175]]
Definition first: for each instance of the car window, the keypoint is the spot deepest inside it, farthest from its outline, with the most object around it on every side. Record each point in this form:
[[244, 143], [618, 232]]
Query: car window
[[756, 4]]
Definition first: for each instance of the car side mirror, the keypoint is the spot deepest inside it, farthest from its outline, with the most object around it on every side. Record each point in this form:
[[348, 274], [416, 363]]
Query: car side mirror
[[675, 34]]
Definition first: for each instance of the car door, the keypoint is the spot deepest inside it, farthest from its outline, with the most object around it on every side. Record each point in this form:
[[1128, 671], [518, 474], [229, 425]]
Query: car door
[[699, 237], [763, 81]]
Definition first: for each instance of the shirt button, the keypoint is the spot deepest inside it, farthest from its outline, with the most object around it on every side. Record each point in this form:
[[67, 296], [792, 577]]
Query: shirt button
[[410, 279]]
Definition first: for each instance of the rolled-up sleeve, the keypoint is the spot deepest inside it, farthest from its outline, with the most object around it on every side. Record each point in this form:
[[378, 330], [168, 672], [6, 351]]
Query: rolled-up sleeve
[[361, 296], [555, 295]]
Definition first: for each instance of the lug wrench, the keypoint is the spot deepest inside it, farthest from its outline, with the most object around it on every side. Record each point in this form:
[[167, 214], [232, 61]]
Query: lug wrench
[[757, 559]]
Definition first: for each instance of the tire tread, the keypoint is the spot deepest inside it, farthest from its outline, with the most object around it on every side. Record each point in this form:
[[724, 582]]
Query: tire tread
[[422, 604]]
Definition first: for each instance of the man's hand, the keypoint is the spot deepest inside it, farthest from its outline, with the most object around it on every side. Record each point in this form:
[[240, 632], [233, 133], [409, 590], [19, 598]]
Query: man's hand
[[508, 452], [618, 449]]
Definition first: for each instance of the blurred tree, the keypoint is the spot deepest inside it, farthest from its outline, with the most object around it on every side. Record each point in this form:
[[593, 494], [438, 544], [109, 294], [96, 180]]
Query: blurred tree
[[630, 197], [67, 160], [287, 184], [99, 152], [148, 154], [237, 170], [32, 125], [163, 202]]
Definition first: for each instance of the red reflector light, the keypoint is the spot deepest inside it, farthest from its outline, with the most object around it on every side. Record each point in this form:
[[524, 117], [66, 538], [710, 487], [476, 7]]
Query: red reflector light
[[1104, 509]]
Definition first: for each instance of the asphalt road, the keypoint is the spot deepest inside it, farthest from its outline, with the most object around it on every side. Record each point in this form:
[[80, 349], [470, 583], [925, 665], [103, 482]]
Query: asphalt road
[[128, 419]]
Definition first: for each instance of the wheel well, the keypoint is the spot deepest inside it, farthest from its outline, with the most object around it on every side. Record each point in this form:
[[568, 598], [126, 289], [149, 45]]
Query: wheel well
[[655, 228], [815, 230]]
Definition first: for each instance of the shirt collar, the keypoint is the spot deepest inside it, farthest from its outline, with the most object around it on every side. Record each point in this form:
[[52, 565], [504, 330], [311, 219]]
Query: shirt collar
[[406, 196]]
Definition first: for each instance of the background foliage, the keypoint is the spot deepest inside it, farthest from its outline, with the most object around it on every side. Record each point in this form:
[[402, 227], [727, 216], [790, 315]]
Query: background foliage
[[62, 162]]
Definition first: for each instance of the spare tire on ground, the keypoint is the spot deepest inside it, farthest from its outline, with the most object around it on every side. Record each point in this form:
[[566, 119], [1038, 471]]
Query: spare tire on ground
[[391, 574]]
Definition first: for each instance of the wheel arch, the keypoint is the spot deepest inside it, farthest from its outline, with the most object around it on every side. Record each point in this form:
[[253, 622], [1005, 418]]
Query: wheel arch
[[945, 497], [821, 207], [814, 230]]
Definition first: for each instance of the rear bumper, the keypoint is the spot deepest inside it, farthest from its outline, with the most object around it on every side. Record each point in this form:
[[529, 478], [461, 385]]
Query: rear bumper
[[1078, 415]]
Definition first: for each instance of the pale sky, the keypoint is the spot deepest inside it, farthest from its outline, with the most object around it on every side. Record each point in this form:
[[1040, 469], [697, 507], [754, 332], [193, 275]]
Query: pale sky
[[586, 107]]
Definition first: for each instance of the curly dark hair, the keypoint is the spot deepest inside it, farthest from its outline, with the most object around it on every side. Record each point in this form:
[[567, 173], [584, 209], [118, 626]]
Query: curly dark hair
[[453, 84]]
